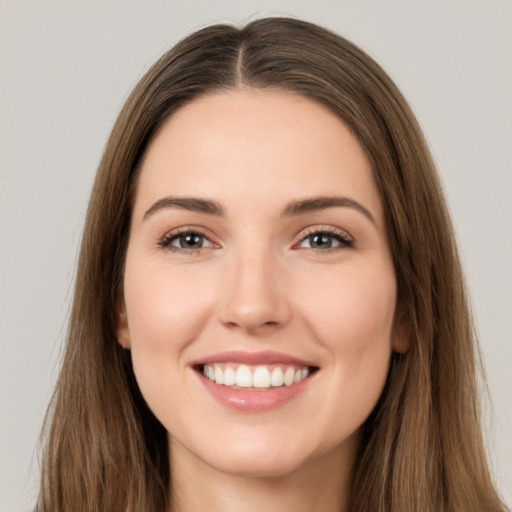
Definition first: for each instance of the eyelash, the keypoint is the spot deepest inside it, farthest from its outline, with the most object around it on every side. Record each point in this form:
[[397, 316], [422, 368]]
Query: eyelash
[[346, 242], [341, 236], [167, 240]]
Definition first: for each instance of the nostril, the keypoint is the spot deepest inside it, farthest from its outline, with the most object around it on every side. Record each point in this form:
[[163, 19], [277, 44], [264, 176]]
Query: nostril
[[250, 327]]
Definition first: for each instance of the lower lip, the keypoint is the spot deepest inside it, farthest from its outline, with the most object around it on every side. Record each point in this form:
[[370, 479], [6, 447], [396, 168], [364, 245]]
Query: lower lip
[[253, 401]]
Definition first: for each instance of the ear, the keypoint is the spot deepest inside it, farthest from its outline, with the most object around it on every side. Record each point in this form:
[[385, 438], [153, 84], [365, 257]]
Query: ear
[[122, 330], [402, 332]]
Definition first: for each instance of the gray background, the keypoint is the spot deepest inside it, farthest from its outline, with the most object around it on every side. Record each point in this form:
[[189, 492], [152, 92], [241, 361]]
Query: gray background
[[67, 66]]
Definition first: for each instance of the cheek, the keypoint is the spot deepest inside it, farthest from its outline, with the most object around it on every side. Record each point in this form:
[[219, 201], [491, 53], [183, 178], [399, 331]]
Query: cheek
[[165, 310], [166, 313], [353, 319], [353, 312]]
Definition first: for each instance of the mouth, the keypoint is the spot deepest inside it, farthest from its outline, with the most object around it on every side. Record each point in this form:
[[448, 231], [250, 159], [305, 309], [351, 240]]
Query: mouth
[[255, 377], [254, 382]]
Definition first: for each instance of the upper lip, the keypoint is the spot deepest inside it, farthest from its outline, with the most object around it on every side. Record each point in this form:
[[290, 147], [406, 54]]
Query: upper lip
[[252, 358]]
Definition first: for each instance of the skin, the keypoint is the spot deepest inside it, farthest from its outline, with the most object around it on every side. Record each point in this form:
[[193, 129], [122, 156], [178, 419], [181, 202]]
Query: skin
[[256, 284]]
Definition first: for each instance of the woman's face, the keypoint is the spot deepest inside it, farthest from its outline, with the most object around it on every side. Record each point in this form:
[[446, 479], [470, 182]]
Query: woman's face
[[258, 256]]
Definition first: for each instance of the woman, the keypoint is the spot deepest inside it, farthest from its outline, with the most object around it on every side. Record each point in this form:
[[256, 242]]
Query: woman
[[269, 308]]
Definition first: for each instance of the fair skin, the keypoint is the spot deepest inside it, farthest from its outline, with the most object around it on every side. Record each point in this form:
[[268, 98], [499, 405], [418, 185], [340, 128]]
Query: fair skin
[[261, 280]]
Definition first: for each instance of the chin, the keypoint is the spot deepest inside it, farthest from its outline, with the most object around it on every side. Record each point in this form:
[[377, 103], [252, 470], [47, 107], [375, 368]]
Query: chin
[[262, 466], [270, 457]]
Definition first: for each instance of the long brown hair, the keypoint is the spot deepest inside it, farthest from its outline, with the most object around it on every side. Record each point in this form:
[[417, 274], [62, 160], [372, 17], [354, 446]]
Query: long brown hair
[[422, 447]]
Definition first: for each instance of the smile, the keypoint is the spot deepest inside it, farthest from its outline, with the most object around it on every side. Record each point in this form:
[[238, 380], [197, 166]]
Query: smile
[[254, 382], [255, 377]]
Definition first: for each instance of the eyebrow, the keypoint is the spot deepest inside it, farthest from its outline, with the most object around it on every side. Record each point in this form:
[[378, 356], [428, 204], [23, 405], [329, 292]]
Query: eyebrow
[[313, 204], [193, 204], [294, 208]]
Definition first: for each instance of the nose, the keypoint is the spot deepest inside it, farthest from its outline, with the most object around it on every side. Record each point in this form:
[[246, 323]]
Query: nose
[[254, 297]]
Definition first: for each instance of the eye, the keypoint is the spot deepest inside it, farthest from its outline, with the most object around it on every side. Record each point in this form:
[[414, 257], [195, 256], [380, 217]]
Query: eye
[[324, 240], [185, 241]]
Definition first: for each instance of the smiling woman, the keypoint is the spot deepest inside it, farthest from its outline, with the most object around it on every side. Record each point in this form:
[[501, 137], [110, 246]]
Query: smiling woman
[[269, 310], [304, 292]]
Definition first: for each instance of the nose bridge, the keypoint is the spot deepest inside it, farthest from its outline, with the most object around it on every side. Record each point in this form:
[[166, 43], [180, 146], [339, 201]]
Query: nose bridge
[[253, 296]]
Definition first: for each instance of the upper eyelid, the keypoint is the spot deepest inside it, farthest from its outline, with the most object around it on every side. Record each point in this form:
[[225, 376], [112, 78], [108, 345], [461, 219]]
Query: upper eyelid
[[331, 230], [188, 229]]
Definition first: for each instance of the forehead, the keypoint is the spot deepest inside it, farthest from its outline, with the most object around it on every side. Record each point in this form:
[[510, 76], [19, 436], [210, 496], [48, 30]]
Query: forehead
[[266, 144]]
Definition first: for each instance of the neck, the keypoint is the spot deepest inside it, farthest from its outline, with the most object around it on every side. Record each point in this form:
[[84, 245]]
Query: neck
[[320, 484]]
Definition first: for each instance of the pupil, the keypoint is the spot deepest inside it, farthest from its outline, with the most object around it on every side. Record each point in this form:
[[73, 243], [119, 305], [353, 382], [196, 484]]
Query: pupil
[[320, 241], [191, 240]]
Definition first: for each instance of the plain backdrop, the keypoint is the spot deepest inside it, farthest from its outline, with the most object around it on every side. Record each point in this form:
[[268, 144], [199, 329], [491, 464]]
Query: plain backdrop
[[66, 68]]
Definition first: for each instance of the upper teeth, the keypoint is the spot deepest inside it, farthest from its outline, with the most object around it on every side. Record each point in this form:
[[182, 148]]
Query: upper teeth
[[261, 377]]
